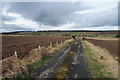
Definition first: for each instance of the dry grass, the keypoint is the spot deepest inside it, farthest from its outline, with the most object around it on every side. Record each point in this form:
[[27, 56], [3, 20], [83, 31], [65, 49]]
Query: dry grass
[[32, 57], [11, 66], [109, 63]]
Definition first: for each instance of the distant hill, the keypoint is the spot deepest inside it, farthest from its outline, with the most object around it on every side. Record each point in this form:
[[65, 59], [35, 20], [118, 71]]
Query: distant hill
[[88, 31]]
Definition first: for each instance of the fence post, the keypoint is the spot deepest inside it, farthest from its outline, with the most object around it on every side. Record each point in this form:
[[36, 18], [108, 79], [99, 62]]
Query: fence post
[[56, 43], [50, 44], [39, 49], [16, 55], [61, 42]]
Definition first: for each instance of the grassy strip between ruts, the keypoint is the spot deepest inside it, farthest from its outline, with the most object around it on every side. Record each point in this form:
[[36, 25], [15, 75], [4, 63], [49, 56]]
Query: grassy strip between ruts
[[64, 67], [34, 66], [97, 70]]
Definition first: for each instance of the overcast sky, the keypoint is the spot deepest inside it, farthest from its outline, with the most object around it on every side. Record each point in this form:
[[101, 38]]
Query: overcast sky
[[76, 15]]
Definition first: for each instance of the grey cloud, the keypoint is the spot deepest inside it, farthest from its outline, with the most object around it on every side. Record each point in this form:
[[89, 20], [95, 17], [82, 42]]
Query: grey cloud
[[7, 18], [55, 14], [119, 14], [12, 27], [106, 18]]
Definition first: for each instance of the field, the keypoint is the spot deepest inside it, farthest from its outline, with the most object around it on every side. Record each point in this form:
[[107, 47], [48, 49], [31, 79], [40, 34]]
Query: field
[[110, 45], [70, 33], [67, 56], [24, 44]]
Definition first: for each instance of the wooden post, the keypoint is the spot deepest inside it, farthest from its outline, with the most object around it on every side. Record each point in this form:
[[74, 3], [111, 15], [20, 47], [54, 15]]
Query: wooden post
[[50, 44], [39, 49], [61, 42], [102, 57], [81, 35], [16, 55], [56, 43]]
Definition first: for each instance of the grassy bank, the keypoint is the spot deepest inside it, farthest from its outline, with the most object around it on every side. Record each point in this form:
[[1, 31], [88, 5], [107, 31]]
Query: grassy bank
[[97, 70], [31, 68]]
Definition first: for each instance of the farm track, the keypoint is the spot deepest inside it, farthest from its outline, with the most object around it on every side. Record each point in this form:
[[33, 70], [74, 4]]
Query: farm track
[[77, 65], [24, 44]]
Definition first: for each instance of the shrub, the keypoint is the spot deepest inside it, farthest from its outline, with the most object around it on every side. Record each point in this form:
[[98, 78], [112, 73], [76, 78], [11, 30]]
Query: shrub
[[118, 36]]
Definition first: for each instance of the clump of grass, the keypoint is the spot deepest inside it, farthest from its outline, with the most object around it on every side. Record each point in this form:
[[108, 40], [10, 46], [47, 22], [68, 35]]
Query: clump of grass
[[62, 70], [70, 54], [94, 65]]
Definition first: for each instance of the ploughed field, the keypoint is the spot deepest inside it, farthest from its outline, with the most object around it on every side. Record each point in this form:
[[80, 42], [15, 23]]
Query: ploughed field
[[110, 45], [24, 44]]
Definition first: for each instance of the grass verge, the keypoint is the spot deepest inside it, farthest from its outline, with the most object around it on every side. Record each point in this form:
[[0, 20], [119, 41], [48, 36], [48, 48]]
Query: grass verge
[[97, 70]]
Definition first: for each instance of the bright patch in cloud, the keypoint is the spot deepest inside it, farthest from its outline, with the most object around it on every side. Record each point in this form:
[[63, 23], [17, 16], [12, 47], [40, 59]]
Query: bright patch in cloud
[[13, 15], [22, 22]]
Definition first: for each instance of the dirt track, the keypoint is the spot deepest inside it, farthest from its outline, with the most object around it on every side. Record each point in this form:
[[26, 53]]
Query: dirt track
[[77, 65], [110, 45], [24, 44]]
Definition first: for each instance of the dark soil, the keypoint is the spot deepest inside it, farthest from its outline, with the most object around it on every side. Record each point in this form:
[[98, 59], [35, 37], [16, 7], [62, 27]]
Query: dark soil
[[24, 44]]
